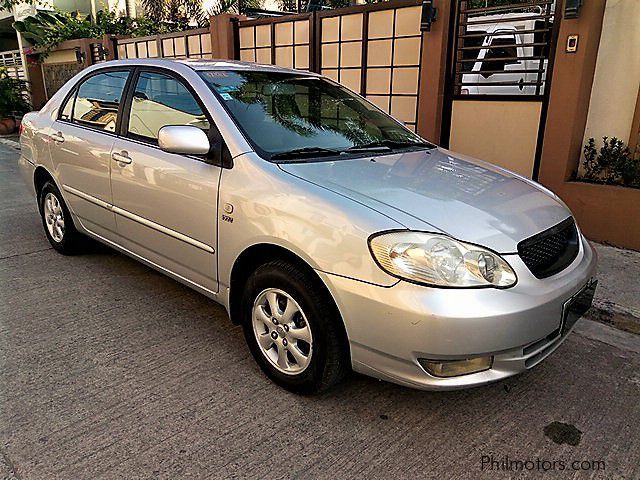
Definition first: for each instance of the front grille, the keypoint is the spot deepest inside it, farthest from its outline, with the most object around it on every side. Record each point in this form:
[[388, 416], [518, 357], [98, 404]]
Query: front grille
[[551, 251]]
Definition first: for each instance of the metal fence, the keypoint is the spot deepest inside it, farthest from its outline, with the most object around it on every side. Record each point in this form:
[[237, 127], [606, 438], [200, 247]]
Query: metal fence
[[187, 44], [374, 50], [12, 62]]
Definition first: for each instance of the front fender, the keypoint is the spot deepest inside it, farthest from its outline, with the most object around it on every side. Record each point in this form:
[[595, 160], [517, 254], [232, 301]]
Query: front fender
[[326, 230]]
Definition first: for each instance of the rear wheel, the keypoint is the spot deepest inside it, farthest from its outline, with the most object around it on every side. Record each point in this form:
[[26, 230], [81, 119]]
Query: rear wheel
[[57, 222], [293, 328]]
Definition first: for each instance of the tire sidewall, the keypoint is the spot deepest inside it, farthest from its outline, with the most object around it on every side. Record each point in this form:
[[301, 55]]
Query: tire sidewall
[[304, 293]]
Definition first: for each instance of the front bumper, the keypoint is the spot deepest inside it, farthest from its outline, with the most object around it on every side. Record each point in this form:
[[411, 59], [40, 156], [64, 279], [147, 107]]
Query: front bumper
[[390, 328]]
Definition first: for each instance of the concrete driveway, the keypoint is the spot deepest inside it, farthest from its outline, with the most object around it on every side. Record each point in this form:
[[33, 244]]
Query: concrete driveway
[[111, 370]]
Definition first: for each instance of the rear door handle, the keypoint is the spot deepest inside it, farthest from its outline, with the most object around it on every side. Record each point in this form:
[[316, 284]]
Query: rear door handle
[[58, 137], [122, 157]]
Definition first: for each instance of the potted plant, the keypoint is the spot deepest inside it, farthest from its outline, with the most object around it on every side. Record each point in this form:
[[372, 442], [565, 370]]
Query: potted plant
[[14, 101]]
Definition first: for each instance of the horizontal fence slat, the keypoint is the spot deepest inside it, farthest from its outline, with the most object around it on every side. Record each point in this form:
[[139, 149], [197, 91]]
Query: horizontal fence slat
[[497, 84], [498, 59], [506, 20], [502, 8], [503, 32], [499, 72], [489, 47]]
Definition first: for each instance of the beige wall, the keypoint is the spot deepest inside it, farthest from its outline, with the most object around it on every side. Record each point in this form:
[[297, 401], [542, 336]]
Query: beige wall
[[500, 132], [617, 75], [61, 56]]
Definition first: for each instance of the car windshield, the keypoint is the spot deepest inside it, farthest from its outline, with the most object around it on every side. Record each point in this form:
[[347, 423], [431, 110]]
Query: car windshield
[[287, 115]]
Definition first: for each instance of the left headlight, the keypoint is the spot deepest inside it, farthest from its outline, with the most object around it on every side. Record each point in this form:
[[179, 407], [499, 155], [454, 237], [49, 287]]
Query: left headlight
[[434, 259]]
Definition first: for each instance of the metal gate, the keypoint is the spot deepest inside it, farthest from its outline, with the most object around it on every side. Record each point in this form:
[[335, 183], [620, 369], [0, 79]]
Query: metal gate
[[499, 74]]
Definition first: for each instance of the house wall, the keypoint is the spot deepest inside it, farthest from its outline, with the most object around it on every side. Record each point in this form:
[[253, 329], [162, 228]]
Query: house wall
[[617, 75]]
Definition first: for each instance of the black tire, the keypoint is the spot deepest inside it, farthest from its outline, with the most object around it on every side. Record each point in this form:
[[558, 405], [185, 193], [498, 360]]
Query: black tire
[[71, 242], [329, 362]]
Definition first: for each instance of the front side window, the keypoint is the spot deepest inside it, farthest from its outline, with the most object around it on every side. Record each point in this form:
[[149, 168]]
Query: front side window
[[160, 100], [282, 112], [97, 101]]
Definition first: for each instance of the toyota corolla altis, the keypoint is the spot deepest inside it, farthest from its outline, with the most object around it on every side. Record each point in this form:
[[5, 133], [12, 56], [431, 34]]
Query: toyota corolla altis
[[338, 238]]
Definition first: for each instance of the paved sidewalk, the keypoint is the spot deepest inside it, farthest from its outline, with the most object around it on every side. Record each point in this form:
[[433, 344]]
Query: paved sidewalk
[[617, 300], [12, 141]]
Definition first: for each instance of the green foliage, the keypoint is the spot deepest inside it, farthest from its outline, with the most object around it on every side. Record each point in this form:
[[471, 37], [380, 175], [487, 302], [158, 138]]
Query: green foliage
[[14, 99], [183, 11], [611, 164], [47, 29], [112, 23], [234, 6], [9, 4]]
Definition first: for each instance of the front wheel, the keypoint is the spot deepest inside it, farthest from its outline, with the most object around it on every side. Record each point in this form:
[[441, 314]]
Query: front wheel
[[293, 328], [57, 221]]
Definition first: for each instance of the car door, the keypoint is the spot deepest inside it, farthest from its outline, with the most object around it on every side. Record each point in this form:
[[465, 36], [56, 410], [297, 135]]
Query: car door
[[81, 143], [165, 203]]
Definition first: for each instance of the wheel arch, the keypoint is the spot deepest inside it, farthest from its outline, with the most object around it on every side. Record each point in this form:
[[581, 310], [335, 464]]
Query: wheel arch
[[41, 176], [258, 254]]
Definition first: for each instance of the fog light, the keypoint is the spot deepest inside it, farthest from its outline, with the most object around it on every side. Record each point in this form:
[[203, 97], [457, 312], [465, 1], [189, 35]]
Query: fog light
[[453, 368]]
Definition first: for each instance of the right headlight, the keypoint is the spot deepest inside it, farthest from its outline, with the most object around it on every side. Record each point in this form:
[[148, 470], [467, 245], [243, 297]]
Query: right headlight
[[434, 259]]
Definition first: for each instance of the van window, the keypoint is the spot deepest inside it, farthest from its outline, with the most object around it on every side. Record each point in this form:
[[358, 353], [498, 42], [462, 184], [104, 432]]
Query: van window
[[476, 40], [503, 52], [98, 99]]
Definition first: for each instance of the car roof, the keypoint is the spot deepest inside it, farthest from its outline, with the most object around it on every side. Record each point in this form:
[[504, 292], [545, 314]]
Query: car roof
[[205, 64]]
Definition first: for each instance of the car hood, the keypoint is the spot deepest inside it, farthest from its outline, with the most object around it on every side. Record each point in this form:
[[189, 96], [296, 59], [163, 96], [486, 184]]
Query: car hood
[[434, 190]]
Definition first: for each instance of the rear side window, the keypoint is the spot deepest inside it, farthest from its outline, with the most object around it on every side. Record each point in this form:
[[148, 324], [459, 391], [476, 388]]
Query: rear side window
[[97, 101], [160, 100]]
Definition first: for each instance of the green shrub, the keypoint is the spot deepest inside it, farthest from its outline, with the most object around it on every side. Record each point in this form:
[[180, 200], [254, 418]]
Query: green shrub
[[611, 164], [14, 99]]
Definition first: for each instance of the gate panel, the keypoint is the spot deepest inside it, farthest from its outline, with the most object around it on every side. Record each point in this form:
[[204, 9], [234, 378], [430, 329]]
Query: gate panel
[[187, 44], [498, 82], [284, 41], [375, 50]]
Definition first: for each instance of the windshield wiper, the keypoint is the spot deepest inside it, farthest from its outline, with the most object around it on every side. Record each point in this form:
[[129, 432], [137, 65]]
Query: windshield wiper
[[386, 144], [304, 152]]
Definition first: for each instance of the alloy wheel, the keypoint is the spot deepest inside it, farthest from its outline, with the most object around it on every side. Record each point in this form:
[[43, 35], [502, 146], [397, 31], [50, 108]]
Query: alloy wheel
[[54, 217], [282, 331]]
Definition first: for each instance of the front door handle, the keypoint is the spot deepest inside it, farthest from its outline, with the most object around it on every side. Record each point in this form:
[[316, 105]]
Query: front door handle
[[57, 137], [122, 157]]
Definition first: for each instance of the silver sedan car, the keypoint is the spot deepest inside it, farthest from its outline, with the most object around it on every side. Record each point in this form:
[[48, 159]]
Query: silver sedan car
[[339, 239]]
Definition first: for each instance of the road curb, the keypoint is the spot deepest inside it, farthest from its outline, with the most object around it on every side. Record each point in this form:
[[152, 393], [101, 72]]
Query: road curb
[[10, 143], [615, 316], [610, 335]]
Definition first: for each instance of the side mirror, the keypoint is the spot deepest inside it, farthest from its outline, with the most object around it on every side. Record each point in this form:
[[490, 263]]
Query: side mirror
[[184, 139]]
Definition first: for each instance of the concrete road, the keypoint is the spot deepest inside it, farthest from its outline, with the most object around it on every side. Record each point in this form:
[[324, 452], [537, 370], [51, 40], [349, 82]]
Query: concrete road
[[111, 370]]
